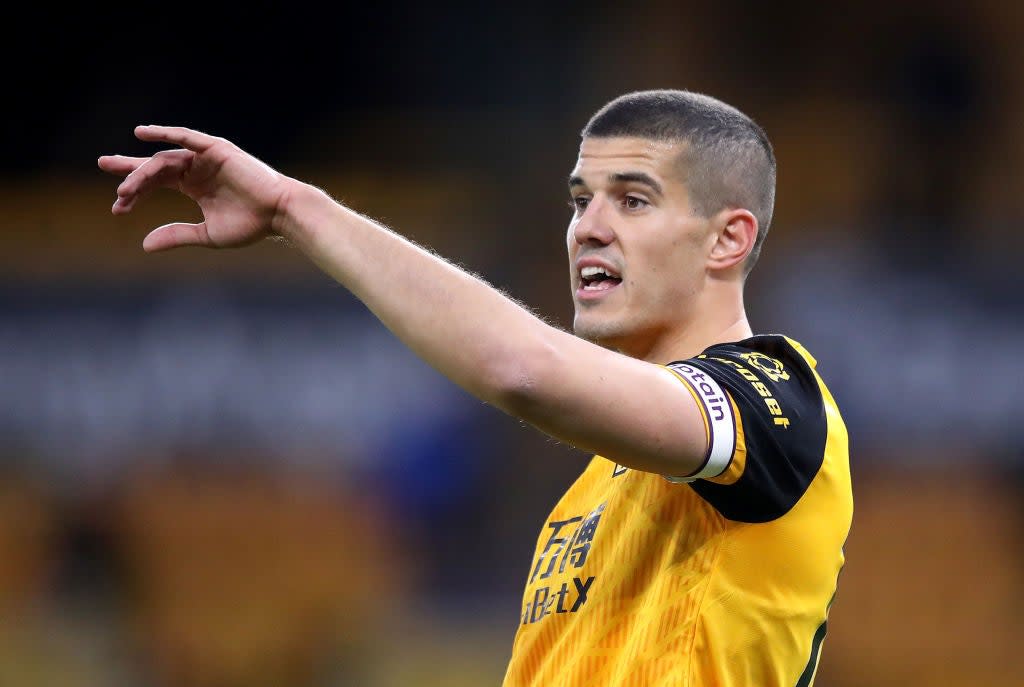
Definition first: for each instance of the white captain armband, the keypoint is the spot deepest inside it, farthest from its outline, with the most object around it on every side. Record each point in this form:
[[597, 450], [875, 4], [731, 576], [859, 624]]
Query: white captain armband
[[719, 421]]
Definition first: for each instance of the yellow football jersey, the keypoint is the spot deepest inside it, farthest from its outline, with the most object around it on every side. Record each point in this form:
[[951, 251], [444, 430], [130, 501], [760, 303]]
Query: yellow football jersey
[[721, 578]]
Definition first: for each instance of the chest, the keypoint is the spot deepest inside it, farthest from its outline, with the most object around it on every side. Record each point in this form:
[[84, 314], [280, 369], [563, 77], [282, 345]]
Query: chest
[[617, 516]]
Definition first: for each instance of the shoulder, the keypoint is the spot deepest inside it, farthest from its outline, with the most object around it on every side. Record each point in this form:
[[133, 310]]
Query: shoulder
[[774, 356], [775, 426], [770, 374]]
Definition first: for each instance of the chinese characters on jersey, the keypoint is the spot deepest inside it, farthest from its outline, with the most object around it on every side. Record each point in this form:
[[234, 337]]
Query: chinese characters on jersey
[[567, 548]]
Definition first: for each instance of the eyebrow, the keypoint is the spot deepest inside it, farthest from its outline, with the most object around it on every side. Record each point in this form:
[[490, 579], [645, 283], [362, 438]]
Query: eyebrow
[[623, 178]]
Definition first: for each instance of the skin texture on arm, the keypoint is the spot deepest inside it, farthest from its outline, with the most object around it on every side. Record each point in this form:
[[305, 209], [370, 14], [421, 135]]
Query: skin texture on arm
[[628, 410]]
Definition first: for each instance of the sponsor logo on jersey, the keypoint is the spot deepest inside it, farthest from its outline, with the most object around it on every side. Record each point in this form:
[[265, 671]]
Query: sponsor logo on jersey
[[564, 554]]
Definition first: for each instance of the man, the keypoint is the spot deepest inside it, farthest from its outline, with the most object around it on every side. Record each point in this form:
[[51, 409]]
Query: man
[[703, 543]]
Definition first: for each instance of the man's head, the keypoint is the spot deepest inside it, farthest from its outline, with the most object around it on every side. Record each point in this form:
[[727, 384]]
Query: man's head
[[675, 187], [727, 161]]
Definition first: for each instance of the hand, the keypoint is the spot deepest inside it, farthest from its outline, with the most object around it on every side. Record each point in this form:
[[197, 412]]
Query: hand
[[241, 198]]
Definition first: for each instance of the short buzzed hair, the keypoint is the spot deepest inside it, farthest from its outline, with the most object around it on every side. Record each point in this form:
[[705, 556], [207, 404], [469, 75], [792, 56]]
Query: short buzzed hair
[[728, 160]]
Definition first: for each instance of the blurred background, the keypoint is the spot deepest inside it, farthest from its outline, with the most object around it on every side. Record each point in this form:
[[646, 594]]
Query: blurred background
[[220, 470]]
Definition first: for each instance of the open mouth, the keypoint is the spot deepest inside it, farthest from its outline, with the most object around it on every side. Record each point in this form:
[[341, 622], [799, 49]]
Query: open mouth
[[595, 278]]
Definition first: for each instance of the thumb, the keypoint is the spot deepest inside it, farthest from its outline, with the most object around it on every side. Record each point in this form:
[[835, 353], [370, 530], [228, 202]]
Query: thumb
[[176, 235]]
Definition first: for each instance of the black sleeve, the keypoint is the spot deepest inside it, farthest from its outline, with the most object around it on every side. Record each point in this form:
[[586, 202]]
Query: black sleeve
[[779, 428]]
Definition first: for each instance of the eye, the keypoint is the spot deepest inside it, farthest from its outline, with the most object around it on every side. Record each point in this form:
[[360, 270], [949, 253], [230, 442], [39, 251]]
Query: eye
[[579, 203], [635, 203]]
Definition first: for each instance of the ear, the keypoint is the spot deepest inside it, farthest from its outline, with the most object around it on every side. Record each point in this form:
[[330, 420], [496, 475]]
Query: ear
[[734, 239]]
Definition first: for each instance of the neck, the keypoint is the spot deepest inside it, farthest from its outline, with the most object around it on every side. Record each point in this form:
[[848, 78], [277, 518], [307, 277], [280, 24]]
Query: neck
[[718, 316]]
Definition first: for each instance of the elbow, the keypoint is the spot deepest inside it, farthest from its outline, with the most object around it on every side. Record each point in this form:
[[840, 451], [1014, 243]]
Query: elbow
[[522, 383]]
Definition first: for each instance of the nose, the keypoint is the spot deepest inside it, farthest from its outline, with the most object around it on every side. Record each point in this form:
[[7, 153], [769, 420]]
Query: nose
[[593, 227]]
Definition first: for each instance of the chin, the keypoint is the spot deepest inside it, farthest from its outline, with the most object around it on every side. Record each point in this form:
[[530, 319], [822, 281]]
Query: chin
[[604, 333]]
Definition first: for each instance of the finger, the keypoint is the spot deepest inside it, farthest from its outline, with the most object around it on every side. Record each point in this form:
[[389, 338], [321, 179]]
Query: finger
[[120, 164], [176, 235], [162, 170], [179, 135]]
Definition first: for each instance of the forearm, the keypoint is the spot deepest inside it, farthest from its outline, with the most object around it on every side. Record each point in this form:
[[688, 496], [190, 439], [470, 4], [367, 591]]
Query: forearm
[[469, 331]]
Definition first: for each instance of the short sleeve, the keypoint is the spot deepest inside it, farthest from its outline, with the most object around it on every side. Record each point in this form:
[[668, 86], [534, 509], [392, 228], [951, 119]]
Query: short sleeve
[[766, 424]]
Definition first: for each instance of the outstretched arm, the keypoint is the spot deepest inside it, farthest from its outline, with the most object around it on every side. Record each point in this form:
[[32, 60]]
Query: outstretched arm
[[627, 410]]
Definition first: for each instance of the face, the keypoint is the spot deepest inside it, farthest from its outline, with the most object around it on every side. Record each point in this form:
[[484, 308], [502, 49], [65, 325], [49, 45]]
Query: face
[[637, 251]]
